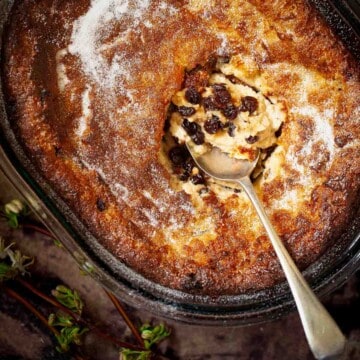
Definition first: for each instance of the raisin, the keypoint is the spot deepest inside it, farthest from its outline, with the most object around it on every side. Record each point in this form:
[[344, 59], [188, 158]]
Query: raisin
[[209, 103], [210, 64], [184, 176], [249, 103], [100, 204], [225, 59], [230, 112], [57, 150], [194, 131], [172, 108], [278, 132], [222, 96], [197, 179], [213, 125], [190, 127], [44, 94], [268, 151], [192, 95], [198, 138], [231, 128], [252, 139], [186, 111], [188, 165], [178, 155], [167, 124]]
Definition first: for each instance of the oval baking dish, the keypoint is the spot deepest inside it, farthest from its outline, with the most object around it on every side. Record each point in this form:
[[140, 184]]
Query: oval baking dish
[[324, 275]]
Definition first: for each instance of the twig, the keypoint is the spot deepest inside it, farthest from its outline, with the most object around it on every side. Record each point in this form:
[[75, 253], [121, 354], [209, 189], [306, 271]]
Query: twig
[[48, 298], [38, 229], [127, 320], [77, 318], [114, 300], [29, 306], [40, 316]]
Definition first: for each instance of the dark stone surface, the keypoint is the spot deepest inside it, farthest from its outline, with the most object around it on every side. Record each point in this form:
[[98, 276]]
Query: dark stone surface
[[22, 336]]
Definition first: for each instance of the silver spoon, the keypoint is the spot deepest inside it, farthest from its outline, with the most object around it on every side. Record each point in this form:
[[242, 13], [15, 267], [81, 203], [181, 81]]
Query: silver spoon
[[323, 335]]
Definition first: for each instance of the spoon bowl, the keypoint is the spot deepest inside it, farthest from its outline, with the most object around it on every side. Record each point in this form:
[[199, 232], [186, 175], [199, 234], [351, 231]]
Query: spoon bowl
[[323, 335], [220, 166]]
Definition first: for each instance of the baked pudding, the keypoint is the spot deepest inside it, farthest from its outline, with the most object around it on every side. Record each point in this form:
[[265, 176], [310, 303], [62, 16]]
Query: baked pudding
[[103, 93]]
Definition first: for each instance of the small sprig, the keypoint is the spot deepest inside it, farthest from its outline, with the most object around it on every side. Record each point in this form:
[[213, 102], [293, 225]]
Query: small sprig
[[20, 262], [127, 354], [70, 332], [69, 298], [68, 336], [60, 320], [12, 262], [151, 335], [13, 211], [76, 319]]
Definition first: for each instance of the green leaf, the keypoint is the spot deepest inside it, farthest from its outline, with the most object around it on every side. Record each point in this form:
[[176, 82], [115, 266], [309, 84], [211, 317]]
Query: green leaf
[[127, 354], [69, 298], [12, 220], [153, 334], [70, 331], [60, 320], [58, 244], [68, 336], [6, 272]]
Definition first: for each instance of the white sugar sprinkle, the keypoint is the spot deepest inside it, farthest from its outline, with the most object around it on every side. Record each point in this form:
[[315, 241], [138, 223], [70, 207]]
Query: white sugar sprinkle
[[88, 33]]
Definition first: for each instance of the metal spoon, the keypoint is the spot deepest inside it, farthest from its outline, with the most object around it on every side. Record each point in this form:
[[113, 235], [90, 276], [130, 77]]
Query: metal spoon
[[323, 335]]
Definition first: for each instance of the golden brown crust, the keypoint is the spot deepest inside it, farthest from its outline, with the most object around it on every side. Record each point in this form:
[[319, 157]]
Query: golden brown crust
[[107, 169]]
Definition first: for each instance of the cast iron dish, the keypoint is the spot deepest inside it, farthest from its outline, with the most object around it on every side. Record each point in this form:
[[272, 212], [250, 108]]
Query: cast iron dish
[[328, 273]]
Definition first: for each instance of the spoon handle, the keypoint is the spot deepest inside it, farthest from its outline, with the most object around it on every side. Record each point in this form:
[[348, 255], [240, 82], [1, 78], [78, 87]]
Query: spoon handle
[[323, 335]]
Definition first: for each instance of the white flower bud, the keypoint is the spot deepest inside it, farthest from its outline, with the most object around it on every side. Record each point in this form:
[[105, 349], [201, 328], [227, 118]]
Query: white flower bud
[[14, 207]]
